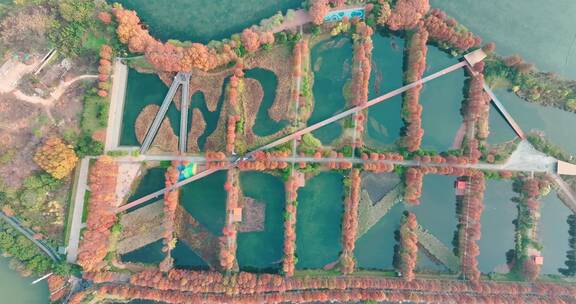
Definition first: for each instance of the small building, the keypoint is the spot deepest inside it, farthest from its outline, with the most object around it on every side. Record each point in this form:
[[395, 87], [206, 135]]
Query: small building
[[460, 187], [538, 259], [236, 215]]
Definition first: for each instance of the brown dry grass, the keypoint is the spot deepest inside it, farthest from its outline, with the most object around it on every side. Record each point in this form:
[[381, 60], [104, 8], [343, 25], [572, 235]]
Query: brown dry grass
[[209, 83], [165, 140], [197, 129]]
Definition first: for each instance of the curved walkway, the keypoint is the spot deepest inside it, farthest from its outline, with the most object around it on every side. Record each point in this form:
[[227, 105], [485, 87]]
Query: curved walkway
[[54, 96], [14, 222]]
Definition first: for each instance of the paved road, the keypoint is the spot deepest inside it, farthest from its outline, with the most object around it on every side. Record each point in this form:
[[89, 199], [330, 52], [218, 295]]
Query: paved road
[[184, 105], [14, 222], [76, 225], [117, 96]]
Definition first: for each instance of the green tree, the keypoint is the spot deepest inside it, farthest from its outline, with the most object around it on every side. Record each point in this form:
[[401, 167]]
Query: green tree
[[81, 11]]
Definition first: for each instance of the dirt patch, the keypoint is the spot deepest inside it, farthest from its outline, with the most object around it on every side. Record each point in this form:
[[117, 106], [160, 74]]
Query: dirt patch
[[165, 140], [279, 61], [128, 173], [65, 110], [21, 128], [253, 214], [197, 129]]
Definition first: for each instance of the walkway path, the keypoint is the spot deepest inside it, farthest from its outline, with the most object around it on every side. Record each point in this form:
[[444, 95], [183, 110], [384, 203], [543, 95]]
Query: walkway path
[[78, 201], [509, 119], [117, 96], [14, 222], [55, 95], [180, 79]]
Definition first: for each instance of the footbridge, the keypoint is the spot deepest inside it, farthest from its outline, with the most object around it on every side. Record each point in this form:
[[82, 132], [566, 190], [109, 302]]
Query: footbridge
[[180, 79], [289, 137], [509, 119]]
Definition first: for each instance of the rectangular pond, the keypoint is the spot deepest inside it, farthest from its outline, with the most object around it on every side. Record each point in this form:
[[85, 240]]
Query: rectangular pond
[[319, 220], [263, 250]]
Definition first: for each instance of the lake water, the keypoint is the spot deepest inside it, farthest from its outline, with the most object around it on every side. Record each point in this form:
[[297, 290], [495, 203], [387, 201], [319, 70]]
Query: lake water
[[18, 290], [204, 20], [543, 32], [556, 124]]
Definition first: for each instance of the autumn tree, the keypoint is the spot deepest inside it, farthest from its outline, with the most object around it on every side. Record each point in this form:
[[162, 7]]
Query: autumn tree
[[412, 110], [407, 13], [101, 214], [447, 31], [350, 223], [408, 247], [318, 10], [250, 40], [56, 158]]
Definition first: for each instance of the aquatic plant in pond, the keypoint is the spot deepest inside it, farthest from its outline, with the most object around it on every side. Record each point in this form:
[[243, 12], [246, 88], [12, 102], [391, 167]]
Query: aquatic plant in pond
[[262, 249], [375, 249], [318, 221], [384, 121], [331, 62]]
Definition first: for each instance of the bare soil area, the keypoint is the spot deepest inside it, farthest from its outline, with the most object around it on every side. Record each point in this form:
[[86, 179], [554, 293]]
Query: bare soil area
[[21, 128]]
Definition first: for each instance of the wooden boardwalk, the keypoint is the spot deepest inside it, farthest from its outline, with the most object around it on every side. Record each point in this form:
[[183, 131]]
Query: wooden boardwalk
[[509, 119]]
